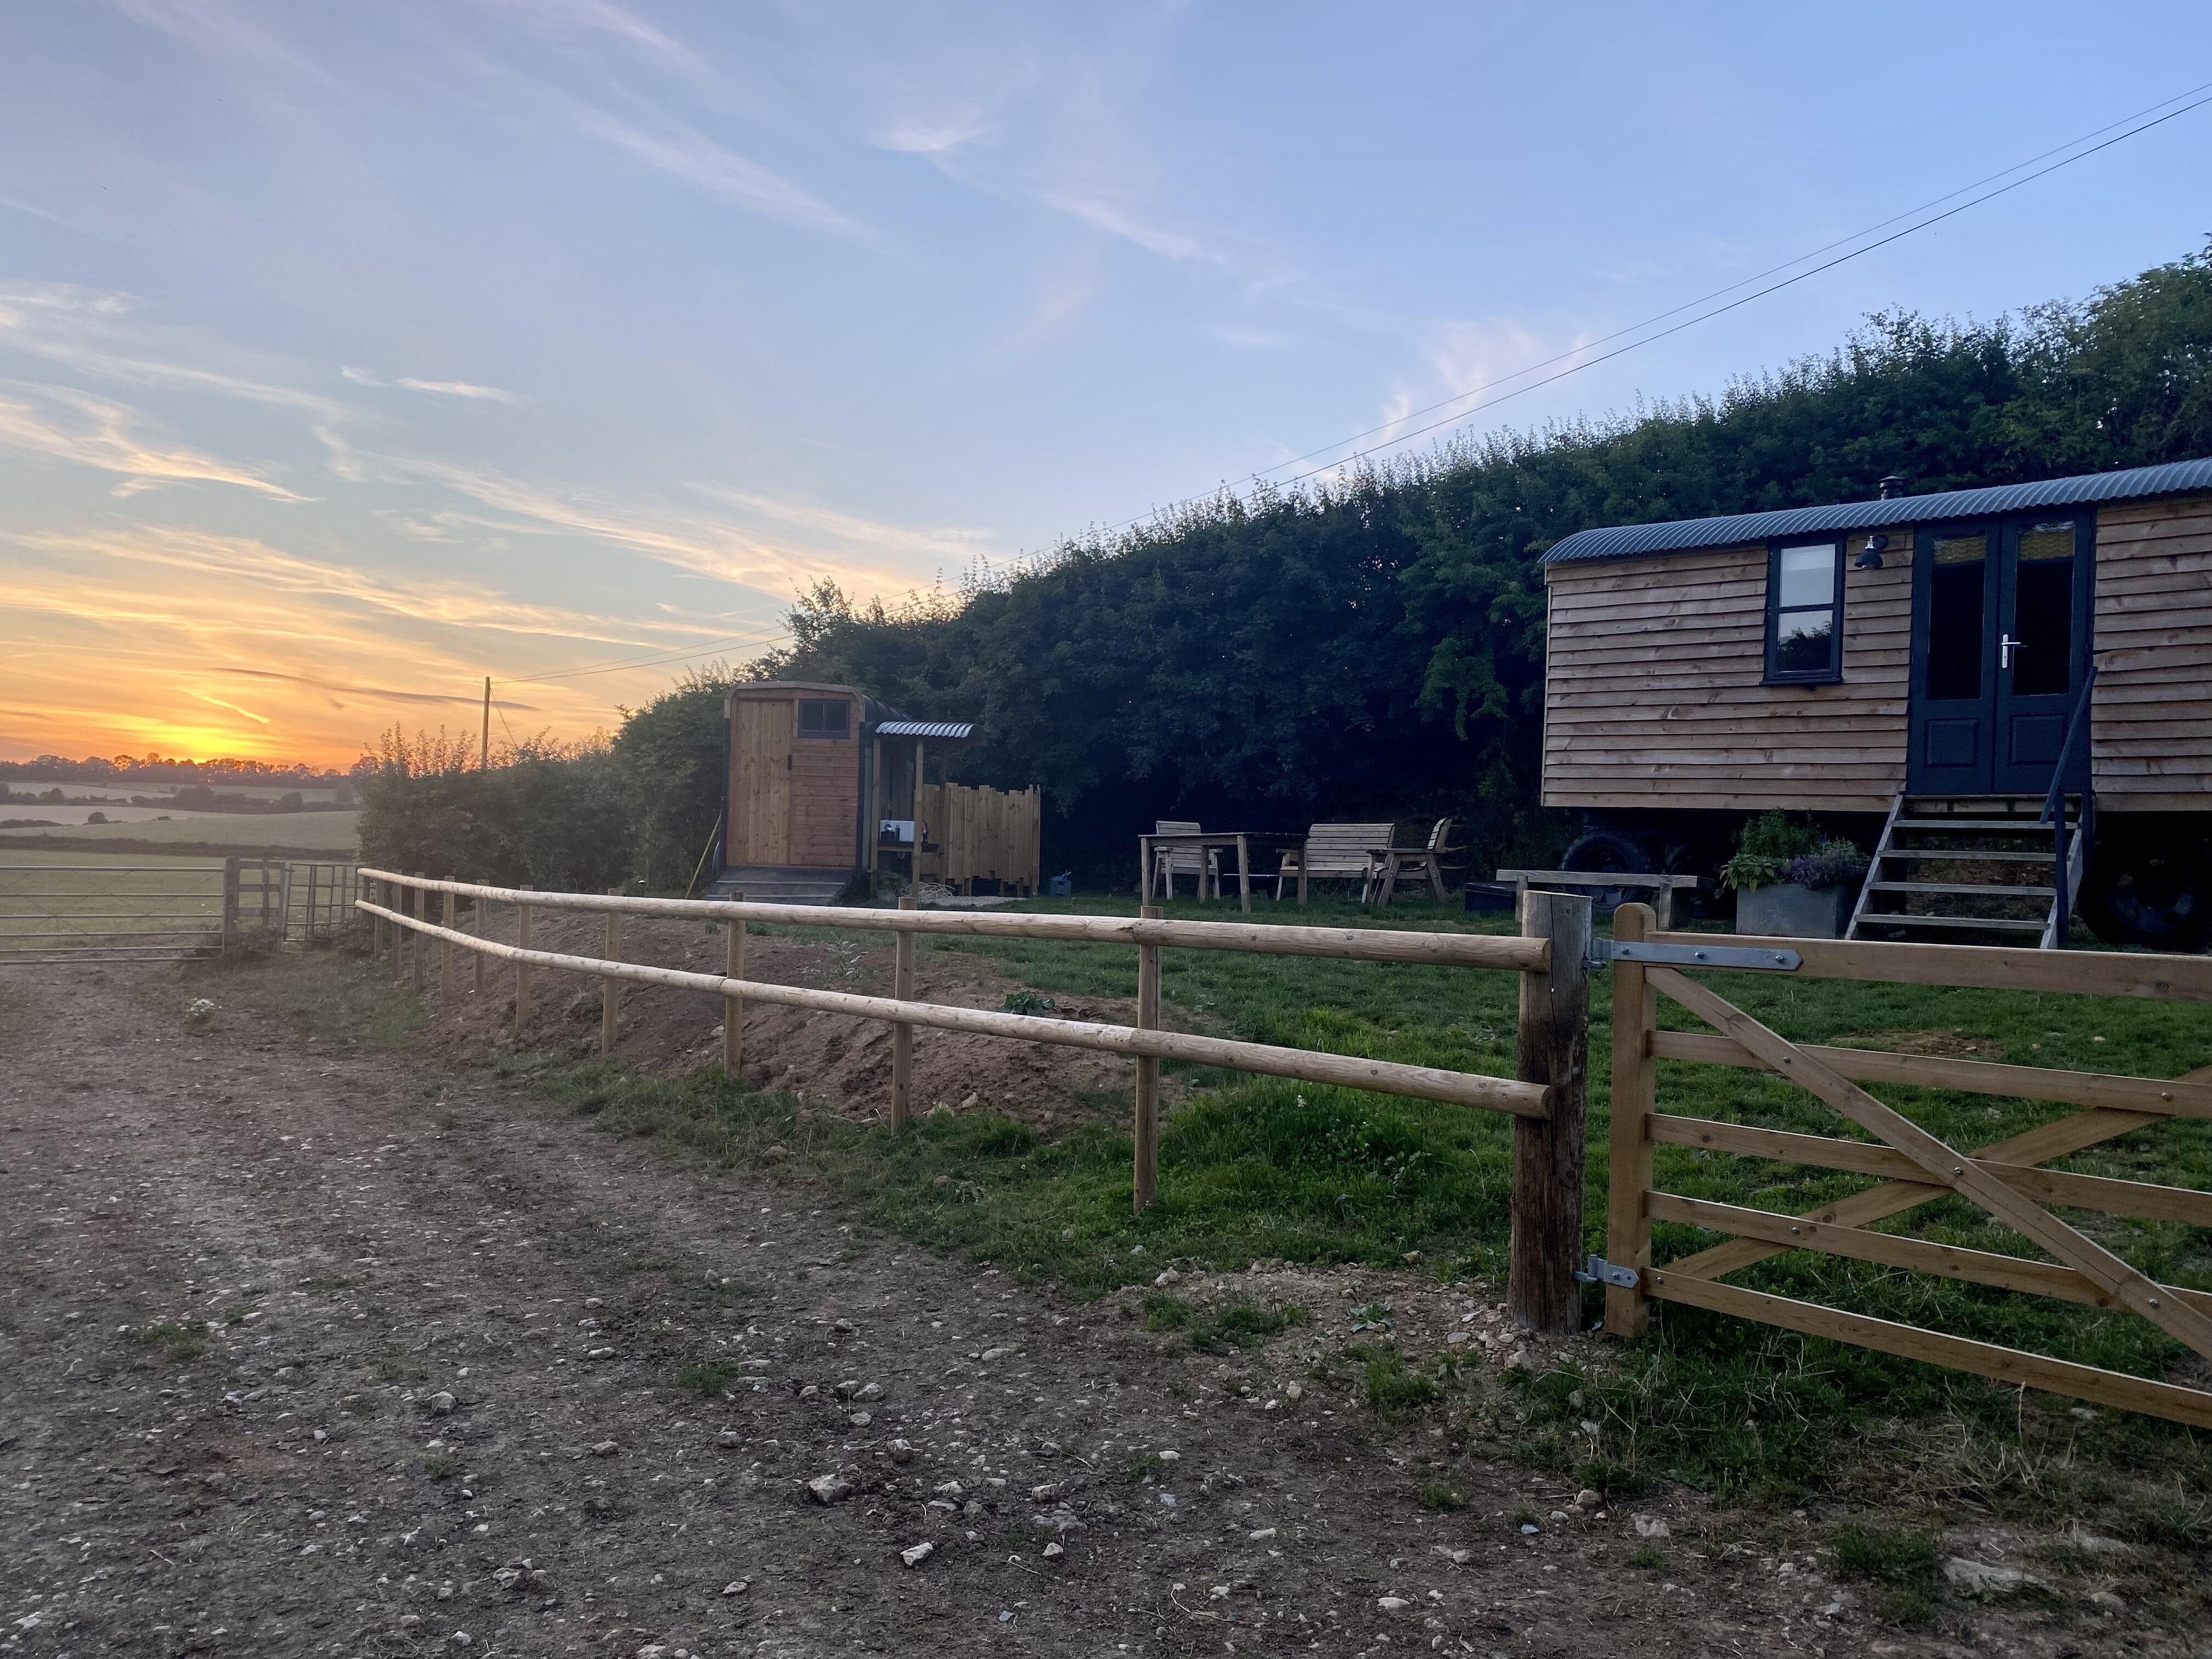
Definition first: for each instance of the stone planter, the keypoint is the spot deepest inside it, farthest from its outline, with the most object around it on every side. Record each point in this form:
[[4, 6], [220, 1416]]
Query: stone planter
[[1788, 909]]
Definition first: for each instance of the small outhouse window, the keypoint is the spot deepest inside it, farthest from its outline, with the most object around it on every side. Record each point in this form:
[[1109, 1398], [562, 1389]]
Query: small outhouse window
[[824, 717], [1805, 611]]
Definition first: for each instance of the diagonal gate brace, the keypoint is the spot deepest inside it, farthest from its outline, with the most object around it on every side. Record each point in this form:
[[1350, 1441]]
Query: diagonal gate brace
[[1945, 1166]]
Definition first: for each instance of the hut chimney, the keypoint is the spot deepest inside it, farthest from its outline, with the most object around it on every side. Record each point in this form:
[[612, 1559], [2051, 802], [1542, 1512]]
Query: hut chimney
[[1892, 487]]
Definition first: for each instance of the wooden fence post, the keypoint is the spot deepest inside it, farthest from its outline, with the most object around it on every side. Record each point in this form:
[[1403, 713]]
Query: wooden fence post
[[522, 968], [901, 1033], [449, 915], [418, 908], [733, 1007], [229, 902], [1147, 1188], [484, 926], [1635, 1097], [610, 986], [1548, 1152]]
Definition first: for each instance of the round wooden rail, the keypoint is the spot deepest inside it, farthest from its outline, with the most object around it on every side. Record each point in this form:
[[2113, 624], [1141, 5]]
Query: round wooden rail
[[1495, 1094], [1349, 944]]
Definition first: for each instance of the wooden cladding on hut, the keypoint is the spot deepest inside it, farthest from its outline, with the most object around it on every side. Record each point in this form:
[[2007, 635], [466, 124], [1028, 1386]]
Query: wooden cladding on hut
[[1672, 678]]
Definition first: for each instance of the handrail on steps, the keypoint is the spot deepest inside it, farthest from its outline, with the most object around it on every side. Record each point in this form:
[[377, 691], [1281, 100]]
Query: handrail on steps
[[2054, 808]]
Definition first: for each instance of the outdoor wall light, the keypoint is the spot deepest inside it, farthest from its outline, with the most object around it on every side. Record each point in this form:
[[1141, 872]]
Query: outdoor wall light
[[1871, 559]]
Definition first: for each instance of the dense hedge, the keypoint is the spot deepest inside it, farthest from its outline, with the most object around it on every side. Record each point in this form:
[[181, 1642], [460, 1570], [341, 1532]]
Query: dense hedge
[[1374, 647]]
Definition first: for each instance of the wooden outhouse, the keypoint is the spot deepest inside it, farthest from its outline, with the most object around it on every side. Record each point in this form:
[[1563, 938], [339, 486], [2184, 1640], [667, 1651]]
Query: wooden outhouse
[[2033, 657], [826, 786]]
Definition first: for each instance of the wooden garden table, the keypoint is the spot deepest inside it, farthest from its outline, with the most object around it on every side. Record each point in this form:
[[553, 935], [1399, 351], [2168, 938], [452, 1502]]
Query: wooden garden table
[[1241, 840]]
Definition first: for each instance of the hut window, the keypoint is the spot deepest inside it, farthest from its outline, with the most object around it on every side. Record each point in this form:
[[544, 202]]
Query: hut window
[[824, 717], [1805, 611]]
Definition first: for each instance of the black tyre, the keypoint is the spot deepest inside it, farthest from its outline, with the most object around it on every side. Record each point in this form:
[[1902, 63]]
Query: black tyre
[[2160, 897], [1601, 850]]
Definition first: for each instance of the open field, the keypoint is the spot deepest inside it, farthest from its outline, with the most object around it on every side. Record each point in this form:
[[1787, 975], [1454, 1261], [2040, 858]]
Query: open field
[[332, 834]]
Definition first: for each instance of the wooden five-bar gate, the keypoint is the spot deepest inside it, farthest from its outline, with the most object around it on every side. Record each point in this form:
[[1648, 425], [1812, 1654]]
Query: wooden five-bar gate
[[2005, 1179]]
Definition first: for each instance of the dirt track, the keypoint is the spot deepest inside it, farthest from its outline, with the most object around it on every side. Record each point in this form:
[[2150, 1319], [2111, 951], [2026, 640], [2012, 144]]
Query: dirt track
[[352, 1237]]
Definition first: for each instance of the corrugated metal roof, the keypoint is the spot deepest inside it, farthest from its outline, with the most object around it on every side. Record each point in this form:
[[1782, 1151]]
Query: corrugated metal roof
[[1632, 540], [951, 731]]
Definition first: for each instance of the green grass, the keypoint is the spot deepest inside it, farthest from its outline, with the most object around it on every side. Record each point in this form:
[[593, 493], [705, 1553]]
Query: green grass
[[1262, 1168], [1901, 1559], [329, 834], [177, 1343], [707, 1379]]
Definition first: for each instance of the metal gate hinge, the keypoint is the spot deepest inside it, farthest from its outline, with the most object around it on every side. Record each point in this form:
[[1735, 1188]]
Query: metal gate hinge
[[1603, 951], [1598, 1271]]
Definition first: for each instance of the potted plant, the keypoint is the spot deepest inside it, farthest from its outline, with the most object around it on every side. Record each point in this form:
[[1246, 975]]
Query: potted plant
[[1790, 882]]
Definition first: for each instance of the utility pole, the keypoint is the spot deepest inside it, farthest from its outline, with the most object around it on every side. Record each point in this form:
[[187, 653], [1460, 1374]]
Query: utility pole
[[484, 760]]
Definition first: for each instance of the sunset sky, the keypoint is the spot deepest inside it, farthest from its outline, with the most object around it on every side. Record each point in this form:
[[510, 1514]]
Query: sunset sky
[[351, 353]]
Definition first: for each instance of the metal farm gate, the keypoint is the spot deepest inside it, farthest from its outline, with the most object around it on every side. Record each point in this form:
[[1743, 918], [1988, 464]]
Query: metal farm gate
[[147, 912]]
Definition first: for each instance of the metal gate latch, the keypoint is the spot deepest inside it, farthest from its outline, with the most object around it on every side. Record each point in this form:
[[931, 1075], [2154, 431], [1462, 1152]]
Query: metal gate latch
[[1693, 956], [1598, 1271]]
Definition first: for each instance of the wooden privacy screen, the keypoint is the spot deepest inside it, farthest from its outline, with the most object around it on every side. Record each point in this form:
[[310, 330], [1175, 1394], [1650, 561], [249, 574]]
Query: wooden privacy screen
[[980, 833], [2004, 1179]]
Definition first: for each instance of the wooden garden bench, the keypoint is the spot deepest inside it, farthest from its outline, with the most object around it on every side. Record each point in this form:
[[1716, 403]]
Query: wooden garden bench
[[1334, 852]]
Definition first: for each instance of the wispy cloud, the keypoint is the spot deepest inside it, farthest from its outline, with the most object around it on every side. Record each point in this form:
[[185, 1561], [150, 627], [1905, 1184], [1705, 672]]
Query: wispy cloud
[[685, 154], [378, 693], [447, 603], [88, 431], [214, 27], [741, 549], [558, 18], [461, 389], [224, 702]]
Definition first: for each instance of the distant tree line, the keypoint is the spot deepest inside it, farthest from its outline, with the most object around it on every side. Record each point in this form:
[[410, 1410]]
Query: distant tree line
[[159, 769], [1373, 646]]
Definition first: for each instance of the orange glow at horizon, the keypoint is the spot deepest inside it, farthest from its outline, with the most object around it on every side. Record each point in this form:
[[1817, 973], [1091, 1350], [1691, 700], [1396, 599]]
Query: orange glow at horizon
[[127, 646]]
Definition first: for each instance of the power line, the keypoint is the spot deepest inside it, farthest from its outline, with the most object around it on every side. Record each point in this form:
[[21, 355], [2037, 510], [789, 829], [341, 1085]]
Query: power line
[[1634, 328], [1773, 288]]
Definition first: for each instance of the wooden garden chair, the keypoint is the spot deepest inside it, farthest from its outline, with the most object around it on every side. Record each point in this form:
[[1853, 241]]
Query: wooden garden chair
[[1169, 862], [1391, 862]]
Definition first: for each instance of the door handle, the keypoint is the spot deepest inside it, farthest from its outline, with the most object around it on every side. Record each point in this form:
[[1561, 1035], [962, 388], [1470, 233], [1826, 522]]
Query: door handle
[[2006, 645]]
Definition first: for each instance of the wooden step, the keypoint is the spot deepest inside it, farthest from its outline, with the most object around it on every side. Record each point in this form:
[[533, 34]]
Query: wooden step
[[1961, 887], [1968, 855], [1872, 919], [2014, 826]]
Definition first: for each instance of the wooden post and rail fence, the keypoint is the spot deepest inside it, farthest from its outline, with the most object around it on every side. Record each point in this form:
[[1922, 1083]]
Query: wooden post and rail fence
[[1546, 1095], [1553, 955]]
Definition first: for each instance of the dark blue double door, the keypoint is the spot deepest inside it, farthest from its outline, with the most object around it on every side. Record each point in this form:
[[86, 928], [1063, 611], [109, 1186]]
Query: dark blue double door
[[2001, 617]]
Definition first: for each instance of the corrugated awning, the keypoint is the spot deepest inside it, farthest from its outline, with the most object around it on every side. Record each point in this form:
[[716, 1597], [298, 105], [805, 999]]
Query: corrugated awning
[[941, 731], [1680, 535]]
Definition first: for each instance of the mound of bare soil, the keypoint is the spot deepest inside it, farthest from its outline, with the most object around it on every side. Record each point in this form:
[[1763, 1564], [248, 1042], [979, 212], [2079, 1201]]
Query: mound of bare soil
[[825, 1058]]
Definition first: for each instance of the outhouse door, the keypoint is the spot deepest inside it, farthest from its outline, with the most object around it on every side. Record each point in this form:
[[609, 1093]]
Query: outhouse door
[[2000, 647], [760, 781]]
